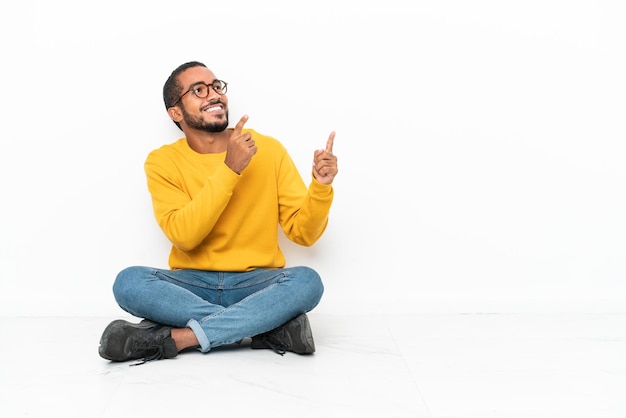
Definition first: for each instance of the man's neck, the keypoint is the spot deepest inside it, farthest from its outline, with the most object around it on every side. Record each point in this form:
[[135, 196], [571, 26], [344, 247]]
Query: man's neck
[[208, 142]]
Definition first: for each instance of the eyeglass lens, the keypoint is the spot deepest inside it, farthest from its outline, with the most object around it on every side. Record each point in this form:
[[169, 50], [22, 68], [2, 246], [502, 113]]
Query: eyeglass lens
[[202, 90]]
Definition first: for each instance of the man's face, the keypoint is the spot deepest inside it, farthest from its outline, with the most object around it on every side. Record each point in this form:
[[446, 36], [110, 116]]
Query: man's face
[[208, 114]]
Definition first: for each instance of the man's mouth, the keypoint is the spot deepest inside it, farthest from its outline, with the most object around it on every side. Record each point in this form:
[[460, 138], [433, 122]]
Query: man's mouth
[[214, 108]]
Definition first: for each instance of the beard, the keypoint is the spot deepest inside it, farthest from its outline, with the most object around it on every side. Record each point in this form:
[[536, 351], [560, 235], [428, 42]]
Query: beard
[[200, 124]]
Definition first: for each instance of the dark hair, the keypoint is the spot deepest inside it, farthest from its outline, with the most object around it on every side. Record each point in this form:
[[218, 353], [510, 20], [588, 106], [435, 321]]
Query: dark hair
[[172, 89]]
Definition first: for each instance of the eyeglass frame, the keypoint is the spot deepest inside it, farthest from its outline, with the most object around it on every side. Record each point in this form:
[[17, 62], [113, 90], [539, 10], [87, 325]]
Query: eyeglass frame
[[223, 84]]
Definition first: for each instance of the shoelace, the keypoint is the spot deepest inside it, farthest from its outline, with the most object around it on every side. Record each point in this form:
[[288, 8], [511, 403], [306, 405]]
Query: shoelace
[[278, 347], [150, 344]]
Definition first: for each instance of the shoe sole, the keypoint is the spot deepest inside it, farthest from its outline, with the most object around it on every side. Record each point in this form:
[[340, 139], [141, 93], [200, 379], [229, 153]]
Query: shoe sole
[[306, 336]]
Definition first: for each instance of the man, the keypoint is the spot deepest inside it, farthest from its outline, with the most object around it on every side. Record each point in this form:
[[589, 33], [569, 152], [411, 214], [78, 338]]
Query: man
[[219, 195]]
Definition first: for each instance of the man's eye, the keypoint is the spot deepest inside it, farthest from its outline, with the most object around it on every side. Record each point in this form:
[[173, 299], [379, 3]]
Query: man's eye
[[199, 90]]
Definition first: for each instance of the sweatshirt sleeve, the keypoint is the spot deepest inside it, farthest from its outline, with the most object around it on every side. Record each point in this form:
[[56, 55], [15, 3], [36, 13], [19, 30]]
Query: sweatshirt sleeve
[[303, 212], [187, 218]]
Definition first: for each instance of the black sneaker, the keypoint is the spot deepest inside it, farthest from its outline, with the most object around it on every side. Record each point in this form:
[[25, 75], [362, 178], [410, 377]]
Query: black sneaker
[[123, 341], [294, 336]]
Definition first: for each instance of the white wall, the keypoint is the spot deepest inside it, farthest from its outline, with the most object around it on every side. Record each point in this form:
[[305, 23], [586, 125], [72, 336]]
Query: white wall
[[481, 144]]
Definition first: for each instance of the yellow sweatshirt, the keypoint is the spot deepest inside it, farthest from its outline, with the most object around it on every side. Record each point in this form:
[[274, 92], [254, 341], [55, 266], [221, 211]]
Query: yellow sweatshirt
[[221, 221]]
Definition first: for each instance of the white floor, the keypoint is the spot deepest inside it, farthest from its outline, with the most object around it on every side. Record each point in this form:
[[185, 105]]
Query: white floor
[[440, 366]]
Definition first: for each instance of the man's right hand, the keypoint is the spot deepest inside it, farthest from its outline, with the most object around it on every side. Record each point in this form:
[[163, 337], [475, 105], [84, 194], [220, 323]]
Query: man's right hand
[[240, 149]]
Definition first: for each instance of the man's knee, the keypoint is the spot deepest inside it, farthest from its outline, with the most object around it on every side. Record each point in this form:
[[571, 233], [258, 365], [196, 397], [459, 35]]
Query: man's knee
[[126, 281], [311, 282]]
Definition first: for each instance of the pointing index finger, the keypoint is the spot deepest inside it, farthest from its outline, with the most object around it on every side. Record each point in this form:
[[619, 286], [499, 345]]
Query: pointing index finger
[[240, 124], [330, 142]]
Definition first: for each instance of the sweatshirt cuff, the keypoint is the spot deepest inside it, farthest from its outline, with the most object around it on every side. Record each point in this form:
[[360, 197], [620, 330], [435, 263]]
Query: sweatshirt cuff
[[320, 189]]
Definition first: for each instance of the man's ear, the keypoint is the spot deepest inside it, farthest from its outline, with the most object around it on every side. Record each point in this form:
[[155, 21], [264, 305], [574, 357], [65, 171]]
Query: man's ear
[[175, 114]]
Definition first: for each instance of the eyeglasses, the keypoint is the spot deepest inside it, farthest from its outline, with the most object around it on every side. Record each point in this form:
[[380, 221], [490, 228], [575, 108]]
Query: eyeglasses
[[201, 90]]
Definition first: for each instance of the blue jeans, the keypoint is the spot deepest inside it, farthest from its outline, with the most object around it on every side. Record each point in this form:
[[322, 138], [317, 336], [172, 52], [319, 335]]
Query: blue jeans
[[220, 307]]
